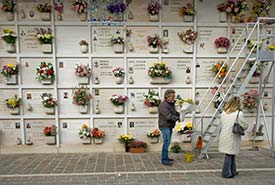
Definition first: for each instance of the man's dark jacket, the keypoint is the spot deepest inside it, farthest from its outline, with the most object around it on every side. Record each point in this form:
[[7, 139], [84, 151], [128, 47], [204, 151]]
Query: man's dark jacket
[[167, 115]]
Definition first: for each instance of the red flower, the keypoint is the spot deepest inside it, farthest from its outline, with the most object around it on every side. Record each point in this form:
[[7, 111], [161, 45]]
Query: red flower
[[49, 72], [41, 71], [44, 65]]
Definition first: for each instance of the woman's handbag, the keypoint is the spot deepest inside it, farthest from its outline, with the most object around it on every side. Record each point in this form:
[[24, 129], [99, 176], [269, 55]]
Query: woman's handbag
[[237, 128]]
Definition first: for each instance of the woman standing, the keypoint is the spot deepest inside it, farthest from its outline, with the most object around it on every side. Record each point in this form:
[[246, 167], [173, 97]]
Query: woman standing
[[229, 143]]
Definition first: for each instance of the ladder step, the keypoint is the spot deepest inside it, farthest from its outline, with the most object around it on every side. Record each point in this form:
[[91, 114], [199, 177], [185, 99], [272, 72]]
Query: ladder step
[[208, 133]]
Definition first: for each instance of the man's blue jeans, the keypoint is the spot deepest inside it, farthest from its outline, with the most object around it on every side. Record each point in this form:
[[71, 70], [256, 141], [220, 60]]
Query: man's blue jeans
[[166, 135]]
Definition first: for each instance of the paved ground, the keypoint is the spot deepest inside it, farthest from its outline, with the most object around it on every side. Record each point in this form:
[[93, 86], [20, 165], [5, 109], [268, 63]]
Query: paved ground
[[255, 167]]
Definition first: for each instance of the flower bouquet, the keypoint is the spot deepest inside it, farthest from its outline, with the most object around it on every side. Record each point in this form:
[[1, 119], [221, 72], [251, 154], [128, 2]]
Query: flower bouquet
[[125, 139], [82, 97], [219, 69], [185, 130], [81, 7], [13, 104], [118, 44], [48, 103], [153, 11], [10, 71], [83, 72], [154, 42], [137, 146], [188, 38], [187, 12], [118, 73], [260, 68], [236, 9], [152, 100], [8, 6], [118, 9], [154, 135], [250, 100], [45, 37], [160, 73], [50, 133], [9, 37], [118, 102], [261, 8], [85, 134], [98, 135], [222, 44], [45, 11], [45, 73], [59, 7], [187, 105], [83, 46]]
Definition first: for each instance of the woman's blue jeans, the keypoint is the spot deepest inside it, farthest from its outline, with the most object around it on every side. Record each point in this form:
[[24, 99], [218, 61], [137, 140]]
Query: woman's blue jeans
[[166, 135]]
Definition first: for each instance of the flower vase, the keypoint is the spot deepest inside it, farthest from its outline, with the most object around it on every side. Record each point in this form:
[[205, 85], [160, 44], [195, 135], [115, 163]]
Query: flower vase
[[49, 110], [188, 48], [45, 16], [118, 80], [223, 17], [127, 148], [188, 18], [254, 80], [83, 80], [154, 140], [153, 50], [46, 81], [118, 48], [154, 18], [46, 48], [50, 140], [11, 80], [98, 140], [83, 17], [86, 140], [10, 16], [83, 109], [84, 48], [15, 111], [137, 150], [153, 110], [221, 50], [160, 80], [11, 48], [118, 109]]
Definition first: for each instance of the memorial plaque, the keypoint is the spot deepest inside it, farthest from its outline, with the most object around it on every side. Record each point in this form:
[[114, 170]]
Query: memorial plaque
[[10, 131], [139, 127]]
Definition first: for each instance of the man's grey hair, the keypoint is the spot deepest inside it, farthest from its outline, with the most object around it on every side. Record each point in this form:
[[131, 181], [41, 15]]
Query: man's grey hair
[[168, 92]]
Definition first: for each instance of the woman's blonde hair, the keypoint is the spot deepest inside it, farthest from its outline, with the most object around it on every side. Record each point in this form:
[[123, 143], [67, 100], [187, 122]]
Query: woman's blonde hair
[[233, 105]]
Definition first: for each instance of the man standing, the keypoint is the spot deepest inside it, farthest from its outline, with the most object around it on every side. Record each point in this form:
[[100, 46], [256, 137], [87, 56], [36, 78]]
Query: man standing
[[167, 120]]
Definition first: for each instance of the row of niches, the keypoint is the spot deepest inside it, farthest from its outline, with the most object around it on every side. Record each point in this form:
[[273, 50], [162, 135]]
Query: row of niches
[[83, 40], [113, 72], [137, 11]]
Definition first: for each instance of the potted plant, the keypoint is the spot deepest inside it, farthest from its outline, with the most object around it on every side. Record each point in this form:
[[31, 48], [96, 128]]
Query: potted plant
[[50, 133], [48, 103], [83, 46], [117, 9], [85, 134], [258, 134], [125, 139], [83, 72], [236, 10], [257, 73], [250, 100], [188, 38], [118, 102], [160, 73], [175, 148], [81, 7], [185, 131], [187, 12], [82, 97], [222, 12], [59, 7], [222, 44], [152, 101], [154, 42], [45, 37], [8, 6], [45, 73], [98, 135], [221, 69], [45, 11], [137, 146], [9, 37], [13, 105], [187, 105], [154, 135], [10, 71], [153, 10], [118, 44], [118, 73]]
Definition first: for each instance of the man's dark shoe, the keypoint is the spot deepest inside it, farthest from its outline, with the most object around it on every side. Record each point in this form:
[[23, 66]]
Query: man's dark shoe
[[170, 159], [167, 163], [231, 176]]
